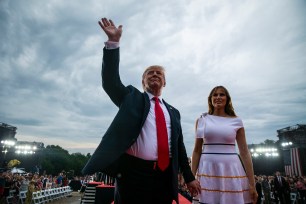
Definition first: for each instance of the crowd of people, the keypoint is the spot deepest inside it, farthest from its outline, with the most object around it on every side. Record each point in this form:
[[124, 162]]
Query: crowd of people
[[272, 189], [280, 189], [30, 182]]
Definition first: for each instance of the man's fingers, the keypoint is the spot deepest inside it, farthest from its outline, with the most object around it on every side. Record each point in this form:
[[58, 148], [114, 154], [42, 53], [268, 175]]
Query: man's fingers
[[111, 22], [105, 22], [199, 190], [101, 25], [120, 28]]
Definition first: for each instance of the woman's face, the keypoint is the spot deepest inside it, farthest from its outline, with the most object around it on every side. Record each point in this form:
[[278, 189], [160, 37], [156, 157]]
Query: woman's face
[[219, 99]]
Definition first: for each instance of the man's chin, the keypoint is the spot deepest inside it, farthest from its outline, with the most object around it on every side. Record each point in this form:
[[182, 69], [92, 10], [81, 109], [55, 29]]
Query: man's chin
[[155, 86]]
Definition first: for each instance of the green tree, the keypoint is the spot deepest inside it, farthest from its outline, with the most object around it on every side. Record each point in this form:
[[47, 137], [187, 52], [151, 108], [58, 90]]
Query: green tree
[[54, 159], [269, 142], [78, 162]]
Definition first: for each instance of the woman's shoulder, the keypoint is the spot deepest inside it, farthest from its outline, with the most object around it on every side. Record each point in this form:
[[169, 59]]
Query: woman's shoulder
[[203, 115], [235, 118]]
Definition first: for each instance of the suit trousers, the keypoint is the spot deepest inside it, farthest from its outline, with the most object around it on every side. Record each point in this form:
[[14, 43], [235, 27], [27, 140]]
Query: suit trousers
[[141, 181]]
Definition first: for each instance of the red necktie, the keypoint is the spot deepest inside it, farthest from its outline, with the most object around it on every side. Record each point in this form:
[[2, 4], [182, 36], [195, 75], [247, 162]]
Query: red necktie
[[162, 137]]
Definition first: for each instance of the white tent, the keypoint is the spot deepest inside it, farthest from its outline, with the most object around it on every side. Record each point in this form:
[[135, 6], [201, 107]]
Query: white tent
[[17, 171]]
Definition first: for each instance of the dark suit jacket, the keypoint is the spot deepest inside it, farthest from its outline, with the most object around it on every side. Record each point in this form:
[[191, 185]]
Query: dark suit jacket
[[280, 188], [259, 191], [125, 128]]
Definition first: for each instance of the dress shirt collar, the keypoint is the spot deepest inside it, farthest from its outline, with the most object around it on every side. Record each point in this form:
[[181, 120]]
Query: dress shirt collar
[[159, 97]]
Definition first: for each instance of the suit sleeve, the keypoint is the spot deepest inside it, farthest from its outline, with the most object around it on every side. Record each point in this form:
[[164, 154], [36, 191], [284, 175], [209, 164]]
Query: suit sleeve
[[184, 165], [111, 81]]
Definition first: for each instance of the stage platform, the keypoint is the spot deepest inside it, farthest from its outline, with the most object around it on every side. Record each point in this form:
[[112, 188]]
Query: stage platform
[[99, 193]]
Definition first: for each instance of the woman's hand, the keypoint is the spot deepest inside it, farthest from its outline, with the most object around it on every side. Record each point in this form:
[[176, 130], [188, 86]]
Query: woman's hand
[[254, 194]]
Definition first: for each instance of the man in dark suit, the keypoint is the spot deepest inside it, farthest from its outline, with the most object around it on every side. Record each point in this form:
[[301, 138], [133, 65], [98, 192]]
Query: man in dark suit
[[131, 148], [281, 189], [258, 189]]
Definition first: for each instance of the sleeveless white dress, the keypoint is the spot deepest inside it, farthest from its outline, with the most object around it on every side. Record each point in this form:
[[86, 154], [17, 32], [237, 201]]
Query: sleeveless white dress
[[220, 172]]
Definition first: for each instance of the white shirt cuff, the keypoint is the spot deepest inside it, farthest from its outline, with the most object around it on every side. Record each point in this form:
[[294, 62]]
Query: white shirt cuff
[[111, 45]]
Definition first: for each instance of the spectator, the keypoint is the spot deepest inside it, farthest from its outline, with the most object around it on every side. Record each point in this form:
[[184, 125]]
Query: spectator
[[59, 180], [266, 188], [2, 185], [281, 188], [301, 188], [258, 189]]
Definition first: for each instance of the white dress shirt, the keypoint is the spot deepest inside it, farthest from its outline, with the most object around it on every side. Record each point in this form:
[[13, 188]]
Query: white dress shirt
[[145, 146]]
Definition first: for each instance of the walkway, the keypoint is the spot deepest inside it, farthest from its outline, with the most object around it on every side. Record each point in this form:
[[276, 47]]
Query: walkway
[[75, 198]]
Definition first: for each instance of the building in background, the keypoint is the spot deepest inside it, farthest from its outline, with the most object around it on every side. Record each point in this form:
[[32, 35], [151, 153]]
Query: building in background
[[287, 154], [7, 142], [293, 145], [11, 148]]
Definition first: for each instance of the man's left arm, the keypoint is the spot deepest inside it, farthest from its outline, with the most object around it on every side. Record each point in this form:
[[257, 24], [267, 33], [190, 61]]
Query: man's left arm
[[183, 160], [192, 184]]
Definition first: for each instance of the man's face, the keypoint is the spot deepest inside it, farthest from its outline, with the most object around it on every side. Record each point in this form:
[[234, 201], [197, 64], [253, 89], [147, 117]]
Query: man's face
[[153, 79]]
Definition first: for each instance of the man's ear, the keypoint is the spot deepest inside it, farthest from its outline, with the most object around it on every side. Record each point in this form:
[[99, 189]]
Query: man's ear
[[143, 85]]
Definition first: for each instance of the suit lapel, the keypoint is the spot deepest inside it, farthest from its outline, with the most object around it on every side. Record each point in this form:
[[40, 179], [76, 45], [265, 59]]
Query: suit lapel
[[170, 110], [146, 108], [174, 119]]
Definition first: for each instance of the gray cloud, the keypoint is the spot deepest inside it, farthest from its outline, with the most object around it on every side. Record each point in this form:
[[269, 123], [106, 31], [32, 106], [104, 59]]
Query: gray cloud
[[50, 84]]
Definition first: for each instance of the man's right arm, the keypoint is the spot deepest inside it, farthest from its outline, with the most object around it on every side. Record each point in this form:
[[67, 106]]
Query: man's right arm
[[111, 81], [110, 67]]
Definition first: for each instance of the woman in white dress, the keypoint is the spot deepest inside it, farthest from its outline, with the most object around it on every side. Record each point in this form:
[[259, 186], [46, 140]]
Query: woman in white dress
[[224, 176]]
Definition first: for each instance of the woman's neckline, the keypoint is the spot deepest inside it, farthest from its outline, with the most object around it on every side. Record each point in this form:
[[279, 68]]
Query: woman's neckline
[[228, 116]]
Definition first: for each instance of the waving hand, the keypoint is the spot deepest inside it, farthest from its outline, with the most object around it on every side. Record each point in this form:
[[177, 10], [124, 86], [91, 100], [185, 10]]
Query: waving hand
[[113, 33]]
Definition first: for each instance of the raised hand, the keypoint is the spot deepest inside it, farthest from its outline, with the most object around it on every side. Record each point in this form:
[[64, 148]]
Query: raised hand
[[113, 33]]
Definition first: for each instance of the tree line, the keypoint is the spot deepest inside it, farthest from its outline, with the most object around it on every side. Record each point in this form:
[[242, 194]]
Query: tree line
[[51, 159]]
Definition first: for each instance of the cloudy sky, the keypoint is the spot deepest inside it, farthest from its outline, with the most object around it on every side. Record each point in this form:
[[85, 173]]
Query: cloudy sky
[[51, 53]]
